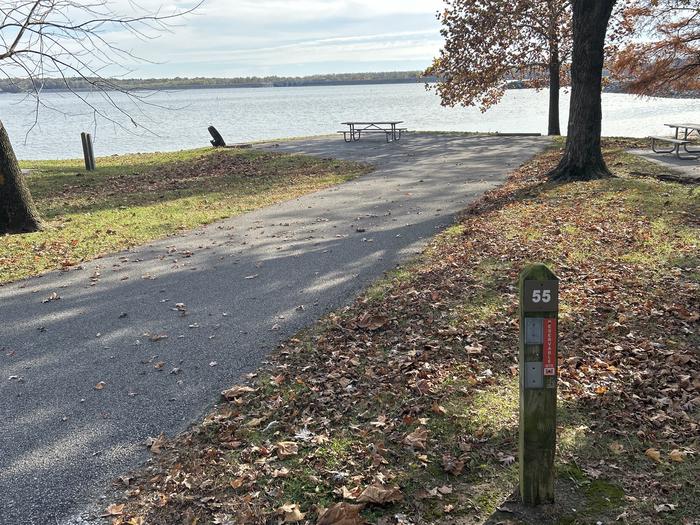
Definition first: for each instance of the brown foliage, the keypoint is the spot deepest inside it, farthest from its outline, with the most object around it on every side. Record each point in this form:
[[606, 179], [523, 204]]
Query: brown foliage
[[663, 55], [488, 43]]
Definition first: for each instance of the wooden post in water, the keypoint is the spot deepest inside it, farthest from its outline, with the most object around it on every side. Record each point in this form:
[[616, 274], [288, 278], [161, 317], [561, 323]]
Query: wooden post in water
[[539, 307]]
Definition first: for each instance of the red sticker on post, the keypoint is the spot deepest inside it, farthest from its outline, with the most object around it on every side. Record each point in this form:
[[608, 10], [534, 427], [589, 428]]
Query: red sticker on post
[[549, 350]]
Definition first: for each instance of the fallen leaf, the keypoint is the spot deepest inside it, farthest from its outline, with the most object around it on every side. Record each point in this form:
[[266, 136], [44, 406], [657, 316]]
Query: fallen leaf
[[291, 513], [286, 449], [452, 465], [155, 444], [342, 514], [304, 435], [417, 438], [188, 518], [473, 349], [53, 297], [115, 509], [654, 454], [380, 495], [237, 483], [428, 494], [438, 409], [593, 473], [380, 422], [665, 507], [506, 460], [677, 456], [372, 322], [236, 391], [349, 494], [125, 480], [616, 448], [320, 439]]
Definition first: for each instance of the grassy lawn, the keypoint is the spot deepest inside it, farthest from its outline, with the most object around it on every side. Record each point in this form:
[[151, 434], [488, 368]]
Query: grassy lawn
[[402, 408], [132, 199]]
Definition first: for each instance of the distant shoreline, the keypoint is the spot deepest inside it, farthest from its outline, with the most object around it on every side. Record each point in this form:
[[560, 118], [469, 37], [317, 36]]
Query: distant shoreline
[[172, 84], [175, 85], [185, 87], [13, 86]]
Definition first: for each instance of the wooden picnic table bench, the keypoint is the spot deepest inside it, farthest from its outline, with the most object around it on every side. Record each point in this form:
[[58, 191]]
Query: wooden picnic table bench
[[389, 128], [677, 141]]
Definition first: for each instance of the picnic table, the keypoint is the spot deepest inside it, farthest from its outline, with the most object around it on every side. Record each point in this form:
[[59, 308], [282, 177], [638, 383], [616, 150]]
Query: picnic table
[[677, 142], [687, 129], [389, 128]]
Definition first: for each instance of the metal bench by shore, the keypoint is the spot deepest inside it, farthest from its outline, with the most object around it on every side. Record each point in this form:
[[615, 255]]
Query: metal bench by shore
[[675, 147], [678, 141]]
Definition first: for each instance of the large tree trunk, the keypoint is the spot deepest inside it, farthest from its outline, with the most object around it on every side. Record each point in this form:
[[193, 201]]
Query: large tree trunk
[[17, 211], [583, 158]]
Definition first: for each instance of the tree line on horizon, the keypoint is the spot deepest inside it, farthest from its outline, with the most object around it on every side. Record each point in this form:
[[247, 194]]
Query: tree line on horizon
[[21, 85], [514, 80]]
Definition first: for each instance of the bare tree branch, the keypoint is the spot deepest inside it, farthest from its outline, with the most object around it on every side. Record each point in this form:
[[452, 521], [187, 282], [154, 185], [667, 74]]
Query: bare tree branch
[[67, 39]]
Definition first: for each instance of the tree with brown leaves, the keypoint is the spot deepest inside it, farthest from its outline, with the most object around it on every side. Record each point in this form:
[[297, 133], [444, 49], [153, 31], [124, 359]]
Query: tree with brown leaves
[[664, 54], [63, 38], [490, 42]]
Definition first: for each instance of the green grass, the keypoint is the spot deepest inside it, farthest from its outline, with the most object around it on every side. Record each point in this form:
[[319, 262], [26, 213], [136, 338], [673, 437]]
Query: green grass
[[133, 199], [336, 452]]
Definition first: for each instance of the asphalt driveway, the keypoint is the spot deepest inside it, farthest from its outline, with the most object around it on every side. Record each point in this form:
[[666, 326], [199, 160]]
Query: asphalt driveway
[[95, 360]]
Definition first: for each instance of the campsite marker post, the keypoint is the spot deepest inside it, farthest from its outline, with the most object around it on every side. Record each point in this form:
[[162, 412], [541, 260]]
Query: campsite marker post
[[539, 307]]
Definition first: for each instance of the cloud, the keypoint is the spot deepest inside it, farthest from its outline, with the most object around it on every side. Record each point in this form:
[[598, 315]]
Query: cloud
[[254, 37]]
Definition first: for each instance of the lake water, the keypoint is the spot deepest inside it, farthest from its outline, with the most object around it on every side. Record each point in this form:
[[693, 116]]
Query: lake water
[[179, 119]]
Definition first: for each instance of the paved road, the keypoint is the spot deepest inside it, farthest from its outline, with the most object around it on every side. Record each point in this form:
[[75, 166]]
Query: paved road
[[241, 282]]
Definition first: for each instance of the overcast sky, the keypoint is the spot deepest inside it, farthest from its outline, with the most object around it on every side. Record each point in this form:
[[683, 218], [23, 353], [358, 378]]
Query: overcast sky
[[290, 37]]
